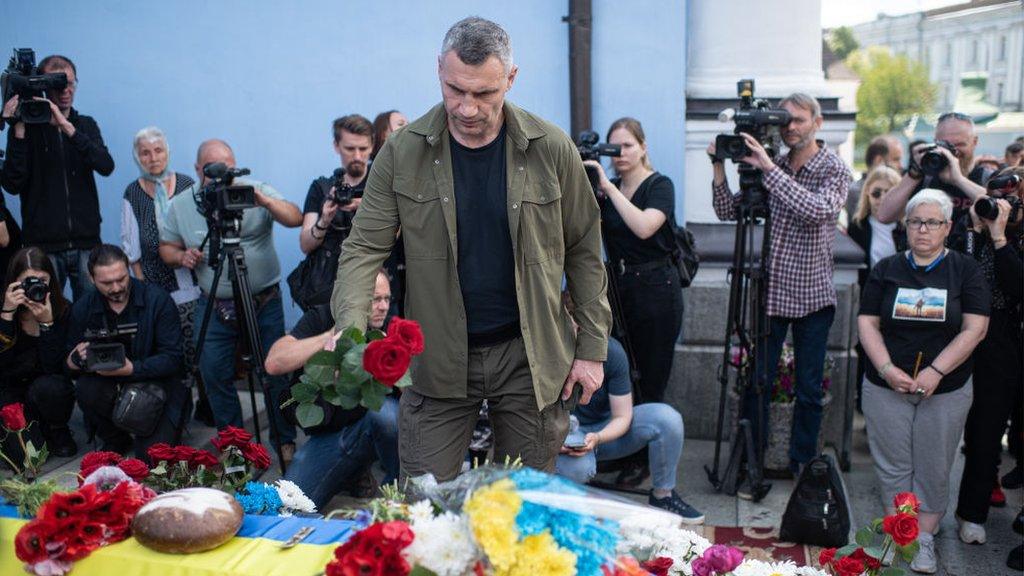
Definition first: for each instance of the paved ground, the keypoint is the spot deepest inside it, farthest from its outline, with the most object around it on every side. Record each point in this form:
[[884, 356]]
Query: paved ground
[[956, 559]]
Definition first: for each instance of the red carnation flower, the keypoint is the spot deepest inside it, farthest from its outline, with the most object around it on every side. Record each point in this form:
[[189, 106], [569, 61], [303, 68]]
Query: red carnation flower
[[408, 333], [97, 459], [13, 416], [30, 542], [907, 502], [231, 436], [902, 527], [161, 452], [134, 468], [659, 566], [257, 455], [203, 458], [386, 360]]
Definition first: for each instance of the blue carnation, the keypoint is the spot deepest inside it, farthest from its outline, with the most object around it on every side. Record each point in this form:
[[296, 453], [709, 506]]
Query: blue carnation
[[259, 498]]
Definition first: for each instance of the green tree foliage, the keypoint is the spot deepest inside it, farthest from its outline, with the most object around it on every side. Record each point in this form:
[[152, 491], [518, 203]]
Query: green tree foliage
[[893, 89], [841, 42]]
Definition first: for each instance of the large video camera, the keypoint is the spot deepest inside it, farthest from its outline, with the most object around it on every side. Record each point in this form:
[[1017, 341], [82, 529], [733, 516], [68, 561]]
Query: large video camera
[[107, 347], [219, 199], [986, 206], [591, 149], [21, 79]]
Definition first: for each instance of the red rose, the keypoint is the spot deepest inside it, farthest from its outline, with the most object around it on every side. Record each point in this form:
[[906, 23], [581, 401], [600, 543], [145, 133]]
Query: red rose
[[97, 459], [231, 436], [160, 452], [374, 551], [870, 561], [659, 566], [848, 566], [184, 453], [203, 458], [408, 333], [386, 360], [825, 556], [30, 542], [907, 502], [134, 468], [902, 527], [257, 455], [13, 416]]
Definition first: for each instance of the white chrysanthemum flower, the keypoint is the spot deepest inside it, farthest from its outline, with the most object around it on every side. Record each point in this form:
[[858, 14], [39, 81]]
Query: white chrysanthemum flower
[[443, 544], [648, 542], [421, 511], [292, 497]]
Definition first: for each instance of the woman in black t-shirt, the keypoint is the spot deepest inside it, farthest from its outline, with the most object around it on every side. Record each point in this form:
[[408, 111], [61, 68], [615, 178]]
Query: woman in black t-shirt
[[32, 354], [922, 313], [636, 212]]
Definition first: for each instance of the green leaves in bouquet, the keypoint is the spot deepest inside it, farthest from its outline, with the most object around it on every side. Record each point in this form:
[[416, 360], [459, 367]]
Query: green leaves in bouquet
[[421, 571], [373, 394], [865, 537]]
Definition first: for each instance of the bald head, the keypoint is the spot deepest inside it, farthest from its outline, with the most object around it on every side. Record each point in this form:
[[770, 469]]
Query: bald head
[[212, 151]]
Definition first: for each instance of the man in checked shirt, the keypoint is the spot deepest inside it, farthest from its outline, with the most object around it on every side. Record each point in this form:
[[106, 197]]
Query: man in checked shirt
[[806, 189]]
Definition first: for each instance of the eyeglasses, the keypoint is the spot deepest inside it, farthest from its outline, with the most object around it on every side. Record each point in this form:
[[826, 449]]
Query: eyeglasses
[[382, 299], [958, 115], [877, 193], [916, 223]]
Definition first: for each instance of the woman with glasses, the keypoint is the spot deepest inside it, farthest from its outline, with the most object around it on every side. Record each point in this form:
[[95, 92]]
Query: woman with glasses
[[32, 328], [993, 239], [922, 313]]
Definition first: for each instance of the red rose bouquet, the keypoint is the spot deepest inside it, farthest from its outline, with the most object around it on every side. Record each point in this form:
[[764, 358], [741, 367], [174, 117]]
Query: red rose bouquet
[[899, 535], [188, 467], [356, 370]]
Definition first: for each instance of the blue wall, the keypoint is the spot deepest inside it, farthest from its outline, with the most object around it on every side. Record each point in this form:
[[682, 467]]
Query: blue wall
[[269, 77]]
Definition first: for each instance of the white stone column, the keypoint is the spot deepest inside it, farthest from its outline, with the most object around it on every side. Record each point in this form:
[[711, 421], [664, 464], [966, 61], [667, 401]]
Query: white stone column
[[776, 44]]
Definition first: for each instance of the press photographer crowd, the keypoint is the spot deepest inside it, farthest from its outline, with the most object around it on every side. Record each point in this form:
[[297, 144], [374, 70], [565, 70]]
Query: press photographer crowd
[[547, 285]]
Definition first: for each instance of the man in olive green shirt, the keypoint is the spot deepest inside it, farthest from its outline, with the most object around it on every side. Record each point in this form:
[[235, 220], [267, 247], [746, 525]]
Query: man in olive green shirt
[[494, 208]]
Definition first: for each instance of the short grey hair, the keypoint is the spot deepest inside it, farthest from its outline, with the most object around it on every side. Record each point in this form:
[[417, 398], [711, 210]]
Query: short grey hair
[[476, 39], [931, 196], [805, 101], [149, 134]]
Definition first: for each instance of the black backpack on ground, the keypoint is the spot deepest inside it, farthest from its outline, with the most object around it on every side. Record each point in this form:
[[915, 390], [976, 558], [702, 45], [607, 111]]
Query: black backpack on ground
[[818, 513]]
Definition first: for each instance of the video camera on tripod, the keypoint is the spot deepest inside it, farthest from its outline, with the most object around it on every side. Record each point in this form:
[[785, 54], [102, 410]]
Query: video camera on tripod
[[23, 80], [107, 347], [221, 201], [590, 148], [757, 118]]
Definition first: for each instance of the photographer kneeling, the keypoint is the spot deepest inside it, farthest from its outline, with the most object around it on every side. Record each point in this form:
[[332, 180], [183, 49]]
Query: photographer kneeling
[[341, 448], [32, 329], [124, 343]]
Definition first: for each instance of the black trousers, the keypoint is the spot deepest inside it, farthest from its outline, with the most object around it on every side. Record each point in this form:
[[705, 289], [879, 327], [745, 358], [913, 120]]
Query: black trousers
[[48, 399], [997, 383], [96, 396], [652, 307]]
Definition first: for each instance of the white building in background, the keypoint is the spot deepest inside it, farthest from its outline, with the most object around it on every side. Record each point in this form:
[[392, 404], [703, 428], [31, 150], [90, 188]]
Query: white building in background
[[981, 36]]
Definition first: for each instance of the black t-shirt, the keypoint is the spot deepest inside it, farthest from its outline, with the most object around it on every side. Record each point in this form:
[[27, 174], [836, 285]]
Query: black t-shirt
[[921, 310], [656, 191], [314, 322], [486, 264], [961, 202], [342, 222]]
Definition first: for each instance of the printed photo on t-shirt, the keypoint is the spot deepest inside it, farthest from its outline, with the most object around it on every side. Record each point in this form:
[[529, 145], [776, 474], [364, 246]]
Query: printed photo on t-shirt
[[926, 304]]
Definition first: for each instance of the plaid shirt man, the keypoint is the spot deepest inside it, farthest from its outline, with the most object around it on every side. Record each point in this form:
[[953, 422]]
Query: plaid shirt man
[[804, 207]]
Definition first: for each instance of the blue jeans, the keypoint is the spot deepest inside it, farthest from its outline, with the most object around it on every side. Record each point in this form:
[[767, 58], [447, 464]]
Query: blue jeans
[[327, 463], [72, 265], [810, 338], [217, 365], [655, 426]]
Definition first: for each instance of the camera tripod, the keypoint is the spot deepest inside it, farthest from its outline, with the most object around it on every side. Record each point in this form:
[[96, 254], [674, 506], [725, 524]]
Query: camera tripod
[[747, 324], [225, 246]]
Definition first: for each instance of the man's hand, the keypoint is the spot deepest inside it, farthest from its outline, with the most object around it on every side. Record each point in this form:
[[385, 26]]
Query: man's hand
[[327, 211], [951, 174], [589, 374], [997, 227], [10, 107], [125, 370], [758, 157], [79, 352], [351, 206], [57, 118], [190, 257], [5, 235]]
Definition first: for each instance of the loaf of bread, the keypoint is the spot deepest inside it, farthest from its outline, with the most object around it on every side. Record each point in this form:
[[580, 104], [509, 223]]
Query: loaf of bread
[[188, 520]]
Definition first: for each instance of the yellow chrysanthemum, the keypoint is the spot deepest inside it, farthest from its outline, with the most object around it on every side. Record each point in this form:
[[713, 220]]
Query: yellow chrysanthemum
[[540, 555], [492, 515]]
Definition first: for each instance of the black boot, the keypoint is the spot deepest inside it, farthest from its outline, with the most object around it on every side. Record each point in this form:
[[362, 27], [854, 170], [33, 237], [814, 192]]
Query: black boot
[[60, 442], [1015, 560]]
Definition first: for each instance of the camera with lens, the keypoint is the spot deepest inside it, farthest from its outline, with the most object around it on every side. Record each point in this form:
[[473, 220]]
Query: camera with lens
[[107, 347], [35, 288], [21, 79], [343, 193], [986, 207], [932, 161], [220, 199], [590, 148]]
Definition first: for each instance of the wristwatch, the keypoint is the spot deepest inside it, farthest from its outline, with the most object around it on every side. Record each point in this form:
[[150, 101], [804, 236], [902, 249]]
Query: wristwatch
[[45, 326]]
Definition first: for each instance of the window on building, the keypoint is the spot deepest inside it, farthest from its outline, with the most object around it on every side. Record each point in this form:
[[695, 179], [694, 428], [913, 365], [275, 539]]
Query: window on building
[[1002, 48], [999, 94]]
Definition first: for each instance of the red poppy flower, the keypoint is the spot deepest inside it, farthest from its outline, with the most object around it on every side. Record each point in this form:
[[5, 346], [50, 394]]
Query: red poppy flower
[[30, 542], [374, 551]]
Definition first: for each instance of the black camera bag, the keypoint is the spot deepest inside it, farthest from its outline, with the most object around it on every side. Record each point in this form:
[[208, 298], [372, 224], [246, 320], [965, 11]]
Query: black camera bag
[[138, 407], [817, 513]]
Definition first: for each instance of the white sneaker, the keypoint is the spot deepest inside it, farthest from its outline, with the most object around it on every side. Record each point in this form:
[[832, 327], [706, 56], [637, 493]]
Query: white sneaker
[[971, 533], [924, 561]]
